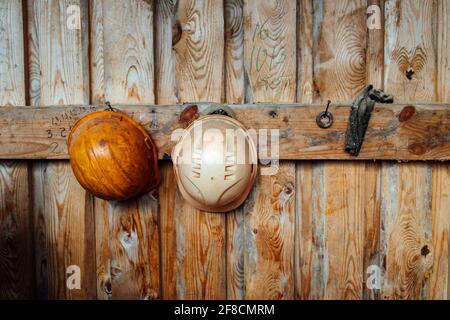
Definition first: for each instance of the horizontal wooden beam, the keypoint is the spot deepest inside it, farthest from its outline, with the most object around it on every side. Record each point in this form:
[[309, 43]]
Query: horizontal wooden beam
[[397, 131]]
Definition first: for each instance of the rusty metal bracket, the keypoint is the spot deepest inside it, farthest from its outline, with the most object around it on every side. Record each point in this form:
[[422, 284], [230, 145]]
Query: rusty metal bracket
[[361, 111]]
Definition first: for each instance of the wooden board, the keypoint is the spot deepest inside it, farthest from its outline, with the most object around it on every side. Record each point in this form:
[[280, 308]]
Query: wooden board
[[16, 255], [331, 252], [63, 212], [400, 131], [234, 87], [166, 93], [269, 213], [190, 69], [127, 233], [415, 229]]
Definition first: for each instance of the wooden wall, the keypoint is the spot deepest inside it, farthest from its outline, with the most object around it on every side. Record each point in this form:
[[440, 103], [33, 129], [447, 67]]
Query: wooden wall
[[308, 232]]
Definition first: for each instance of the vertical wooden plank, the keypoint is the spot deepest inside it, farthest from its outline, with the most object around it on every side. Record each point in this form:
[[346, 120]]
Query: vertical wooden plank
[[305, 77], [270, 67], [127, 233], [406, 237], [443, 50], [331, 212], [16, 254], [196, 239], [339, 56], [311, 258], [102, 208], [270, 50], [407, 218], [309, 244], [166, 93], [63, 213], [439, 277], [372, 175], [343, 190], [234, 93], [440, 212]]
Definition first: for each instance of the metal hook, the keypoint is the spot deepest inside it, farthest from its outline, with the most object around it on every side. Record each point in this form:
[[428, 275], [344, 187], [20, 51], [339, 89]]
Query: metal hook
[[325, 119], [108, 104]]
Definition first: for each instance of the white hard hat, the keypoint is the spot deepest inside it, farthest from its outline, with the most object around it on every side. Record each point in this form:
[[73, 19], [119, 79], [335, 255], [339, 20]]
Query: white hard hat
[[215, 163]]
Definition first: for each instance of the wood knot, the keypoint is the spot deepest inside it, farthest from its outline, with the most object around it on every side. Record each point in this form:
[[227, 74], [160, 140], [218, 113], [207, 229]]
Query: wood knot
[[406, 113], [288, 188], [255, 231], [107, 287], [273, 114], [417, 148], [409, 73], [177, 31], [188, 115], [424, 251]]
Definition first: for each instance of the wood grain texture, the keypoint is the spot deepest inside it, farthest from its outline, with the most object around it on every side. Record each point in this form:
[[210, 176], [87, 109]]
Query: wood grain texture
[[443, 50], [198, 52], [269, 213], [412, 74], [339, 56], [410, 55], [334, 268], [127, 234], [311, 255], [62, 209], [234, 93], [234, 51], [166, 93], [398, 131], [439, 282], [407, 234], [440, 212], [305, 76], [372, 175], [270, 50], [16, 255]]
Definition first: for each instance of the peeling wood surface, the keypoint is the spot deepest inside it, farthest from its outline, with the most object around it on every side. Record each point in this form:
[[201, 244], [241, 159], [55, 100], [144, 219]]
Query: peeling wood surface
[[400, 132]]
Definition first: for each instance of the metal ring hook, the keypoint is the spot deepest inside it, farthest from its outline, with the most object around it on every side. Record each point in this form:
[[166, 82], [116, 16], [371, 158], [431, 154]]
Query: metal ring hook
[[325, 119]]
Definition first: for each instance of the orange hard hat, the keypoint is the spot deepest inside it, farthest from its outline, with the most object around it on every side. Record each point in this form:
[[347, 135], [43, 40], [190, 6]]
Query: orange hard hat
[[112, 156]]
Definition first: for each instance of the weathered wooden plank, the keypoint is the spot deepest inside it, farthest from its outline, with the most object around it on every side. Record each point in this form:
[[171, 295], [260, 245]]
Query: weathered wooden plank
[[270, 50], [439, 277], [198, 49], [372, 175], [166, 93], [410, 75], [344, 230], [399, 131], [339, 56], [270, 66], [336, 211], [234, 93], [440, 211], [16, 255], [62, 209], [406, 235], [127, 233]]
